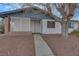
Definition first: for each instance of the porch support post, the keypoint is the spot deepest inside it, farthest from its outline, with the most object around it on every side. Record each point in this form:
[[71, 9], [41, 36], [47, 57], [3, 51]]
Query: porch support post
[[6, 23]]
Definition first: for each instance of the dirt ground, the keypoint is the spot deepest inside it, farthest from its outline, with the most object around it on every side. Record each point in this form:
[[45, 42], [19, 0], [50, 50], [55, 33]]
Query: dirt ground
[[17, 44], [63, 47]]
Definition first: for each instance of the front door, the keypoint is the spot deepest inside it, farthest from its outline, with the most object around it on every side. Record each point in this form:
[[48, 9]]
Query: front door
[[36, 26]]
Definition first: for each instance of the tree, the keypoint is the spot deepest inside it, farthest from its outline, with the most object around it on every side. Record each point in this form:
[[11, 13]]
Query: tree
[[67, 12]]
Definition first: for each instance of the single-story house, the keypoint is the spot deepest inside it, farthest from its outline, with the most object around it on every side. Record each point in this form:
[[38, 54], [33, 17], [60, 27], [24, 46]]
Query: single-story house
[[33, 20]]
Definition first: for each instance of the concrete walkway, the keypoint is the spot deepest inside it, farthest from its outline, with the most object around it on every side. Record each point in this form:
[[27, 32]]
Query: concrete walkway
[[41, 47]]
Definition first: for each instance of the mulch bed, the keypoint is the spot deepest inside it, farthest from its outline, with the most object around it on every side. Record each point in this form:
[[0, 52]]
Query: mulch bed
[[17, 44], [63, 47]]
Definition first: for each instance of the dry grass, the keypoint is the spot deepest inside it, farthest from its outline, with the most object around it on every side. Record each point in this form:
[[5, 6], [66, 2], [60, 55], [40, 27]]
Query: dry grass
[[63, 47], [76, 33], [17, 44]]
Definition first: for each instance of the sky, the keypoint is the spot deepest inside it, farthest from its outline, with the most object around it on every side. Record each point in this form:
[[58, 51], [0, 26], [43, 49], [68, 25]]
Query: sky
[[4, 8], [8, 7], [76, 14]]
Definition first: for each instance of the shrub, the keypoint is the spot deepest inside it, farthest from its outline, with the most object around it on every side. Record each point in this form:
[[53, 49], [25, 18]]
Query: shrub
[[76, 32], [1, 29]]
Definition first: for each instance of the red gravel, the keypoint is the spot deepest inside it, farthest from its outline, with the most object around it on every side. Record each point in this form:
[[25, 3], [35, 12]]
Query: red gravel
[[63, 47], [17, 44]]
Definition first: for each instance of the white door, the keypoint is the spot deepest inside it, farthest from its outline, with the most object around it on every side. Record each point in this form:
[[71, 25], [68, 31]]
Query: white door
[[36, 26]]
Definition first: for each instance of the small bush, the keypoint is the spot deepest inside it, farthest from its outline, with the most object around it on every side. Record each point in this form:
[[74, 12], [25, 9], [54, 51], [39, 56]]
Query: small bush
[[76, 32], [1, 29]]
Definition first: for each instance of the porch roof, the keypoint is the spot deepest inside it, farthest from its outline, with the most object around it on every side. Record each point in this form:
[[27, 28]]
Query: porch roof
[[8, 13], [28, 12], [37, 16]]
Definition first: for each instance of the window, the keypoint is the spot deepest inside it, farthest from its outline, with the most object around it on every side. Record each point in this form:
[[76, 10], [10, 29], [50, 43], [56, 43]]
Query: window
[[50, 24], [71, 24]]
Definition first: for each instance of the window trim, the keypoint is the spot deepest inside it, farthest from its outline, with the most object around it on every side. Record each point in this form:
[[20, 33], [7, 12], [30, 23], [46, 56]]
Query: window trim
[[50, 24]]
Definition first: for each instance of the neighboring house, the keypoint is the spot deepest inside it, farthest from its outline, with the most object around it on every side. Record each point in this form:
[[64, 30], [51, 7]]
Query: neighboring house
[[33, 20], [73, 25]]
